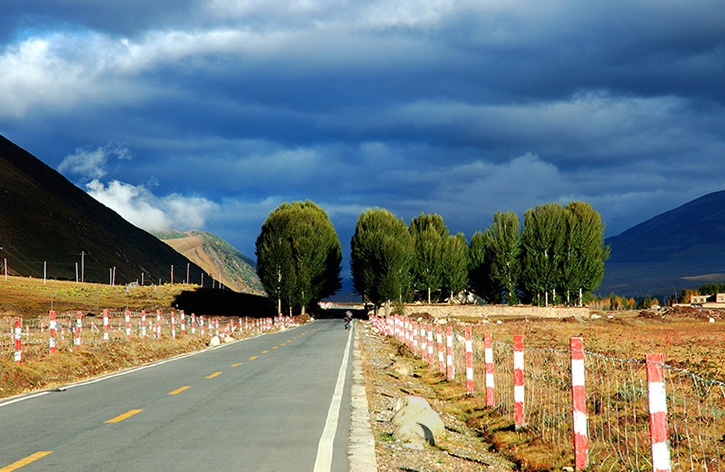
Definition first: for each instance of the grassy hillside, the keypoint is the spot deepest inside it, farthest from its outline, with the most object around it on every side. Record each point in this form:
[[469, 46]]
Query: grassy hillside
[[46, 223], [216, 257]]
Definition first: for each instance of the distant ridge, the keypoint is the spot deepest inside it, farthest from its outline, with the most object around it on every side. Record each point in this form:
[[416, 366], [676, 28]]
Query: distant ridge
[[216, 257], [680, 248], [45, 218]]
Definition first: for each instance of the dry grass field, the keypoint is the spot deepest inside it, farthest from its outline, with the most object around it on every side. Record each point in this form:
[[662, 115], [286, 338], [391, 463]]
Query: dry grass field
[[29, 297], [692, 342], [32, 300]]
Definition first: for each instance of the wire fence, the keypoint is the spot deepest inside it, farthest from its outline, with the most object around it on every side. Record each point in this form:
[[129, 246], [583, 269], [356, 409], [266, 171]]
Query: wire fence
[[90, 331], [618, 403]]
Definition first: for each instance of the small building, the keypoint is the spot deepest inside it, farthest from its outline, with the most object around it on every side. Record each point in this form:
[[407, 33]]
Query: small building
[[698, 299], [720, 298]]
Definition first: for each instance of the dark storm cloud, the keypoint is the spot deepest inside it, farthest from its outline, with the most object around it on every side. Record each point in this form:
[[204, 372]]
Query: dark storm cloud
[[460, 108]]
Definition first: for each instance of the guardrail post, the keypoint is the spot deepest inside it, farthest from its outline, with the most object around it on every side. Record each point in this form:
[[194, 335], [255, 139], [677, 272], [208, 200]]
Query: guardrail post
[[519, 416], [579, 403], [52, 327], [658, 413], [488, 357]]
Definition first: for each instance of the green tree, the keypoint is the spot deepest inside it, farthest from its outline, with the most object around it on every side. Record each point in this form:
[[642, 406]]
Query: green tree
[[502, 242], [381, 252], [429, 233], [584, 250], [455, 264], [542, 245], [478, 268], [299, 255]]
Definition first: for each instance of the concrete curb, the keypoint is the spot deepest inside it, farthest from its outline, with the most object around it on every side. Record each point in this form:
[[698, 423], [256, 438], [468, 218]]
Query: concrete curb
[[361, 447]]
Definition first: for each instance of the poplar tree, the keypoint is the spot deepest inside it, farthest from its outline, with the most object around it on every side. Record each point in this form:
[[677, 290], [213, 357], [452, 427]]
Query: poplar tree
[[429, 233], [584, 250], [455, 264], [542, 245], [502, 241], [299, 255], [381, 252]]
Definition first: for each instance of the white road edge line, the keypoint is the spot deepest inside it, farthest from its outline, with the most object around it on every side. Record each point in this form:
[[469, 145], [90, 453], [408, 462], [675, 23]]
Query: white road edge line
[[323, 462]]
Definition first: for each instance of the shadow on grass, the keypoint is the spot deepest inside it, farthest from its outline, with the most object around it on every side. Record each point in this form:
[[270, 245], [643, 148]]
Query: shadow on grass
[[214, 302]]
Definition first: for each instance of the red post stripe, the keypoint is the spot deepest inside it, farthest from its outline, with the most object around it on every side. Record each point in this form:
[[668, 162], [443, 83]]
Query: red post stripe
[[430, 344]]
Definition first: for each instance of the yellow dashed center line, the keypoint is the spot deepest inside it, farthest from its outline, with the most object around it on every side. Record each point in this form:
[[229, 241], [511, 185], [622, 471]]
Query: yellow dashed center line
[[265, 352], [26, 461], [213, 375], [275, 347], [237, 364], [123, 416], [179, 390], [252, 358]]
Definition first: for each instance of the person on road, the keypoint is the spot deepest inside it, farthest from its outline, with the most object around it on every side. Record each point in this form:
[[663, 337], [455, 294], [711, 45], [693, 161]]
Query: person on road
[[348, 318]]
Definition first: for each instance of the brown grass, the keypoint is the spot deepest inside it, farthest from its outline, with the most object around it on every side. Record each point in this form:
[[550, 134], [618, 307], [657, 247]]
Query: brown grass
[[29, 297], [71, 365]]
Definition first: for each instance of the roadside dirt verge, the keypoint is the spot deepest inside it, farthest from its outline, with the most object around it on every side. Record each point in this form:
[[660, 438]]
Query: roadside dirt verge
[[460, 448]]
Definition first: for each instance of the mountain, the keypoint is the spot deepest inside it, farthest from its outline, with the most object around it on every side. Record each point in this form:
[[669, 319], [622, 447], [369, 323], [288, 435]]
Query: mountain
[[217, 257], [681, 248], [45, 218]]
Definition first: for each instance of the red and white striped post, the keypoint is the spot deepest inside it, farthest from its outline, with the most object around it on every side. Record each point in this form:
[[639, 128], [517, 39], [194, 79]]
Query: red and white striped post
[[173, 326], [143, 324], [430, 344], [488, 358], [414, 326], [450, 374], [128, 324], [183, 323], [658, 413], [79, 326], [18, 337], [52, 327], [158, 324], [469, 361], [193, 323], [519, 382], [201, 325], [579, 403], [439, 345], [423, 344], [105, 325]]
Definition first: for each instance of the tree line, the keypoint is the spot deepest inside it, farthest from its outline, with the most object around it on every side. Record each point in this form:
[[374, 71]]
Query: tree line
[[556, 256]]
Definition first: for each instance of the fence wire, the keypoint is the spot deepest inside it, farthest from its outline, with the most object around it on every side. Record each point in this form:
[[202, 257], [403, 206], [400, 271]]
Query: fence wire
[[617, 406], [36, 332]]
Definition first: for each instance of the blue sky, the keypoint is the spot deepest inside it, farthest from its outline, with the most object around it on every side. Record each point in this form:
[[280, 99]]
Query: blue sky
[[208, 114]]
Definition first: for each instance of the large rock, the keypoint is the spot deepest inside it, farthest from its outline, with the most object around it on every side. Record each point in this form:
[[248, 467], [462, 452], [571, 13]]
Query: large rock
[[214, 341], [416, 421]]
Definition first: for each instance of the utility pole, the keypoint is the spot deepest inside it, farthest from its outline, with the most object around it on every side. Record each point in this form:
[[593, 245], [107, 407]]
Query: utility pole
[[83, 266], [172, 275], [187, 272]]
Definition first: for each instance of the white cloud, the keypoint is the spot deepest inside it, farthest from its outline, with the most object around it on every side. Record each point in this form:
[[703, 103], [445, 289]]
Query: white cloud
[[142, 208], [91, 163]]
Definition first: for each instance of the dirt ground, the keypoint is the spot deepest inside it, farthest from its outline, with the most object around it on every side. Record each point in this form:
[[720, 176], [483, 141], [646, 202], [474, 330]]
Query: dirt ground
[[461, 449]]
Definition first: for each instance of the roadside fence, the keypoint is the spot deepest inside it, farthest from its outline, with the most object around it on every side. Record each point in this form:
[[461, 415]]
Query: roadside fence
[[22, 339], [607, 413]]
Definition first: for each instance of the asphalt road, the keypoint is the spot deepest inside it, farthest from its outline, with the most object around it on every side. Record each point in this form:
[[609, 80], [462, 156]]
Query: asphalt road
[[261, 405]]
